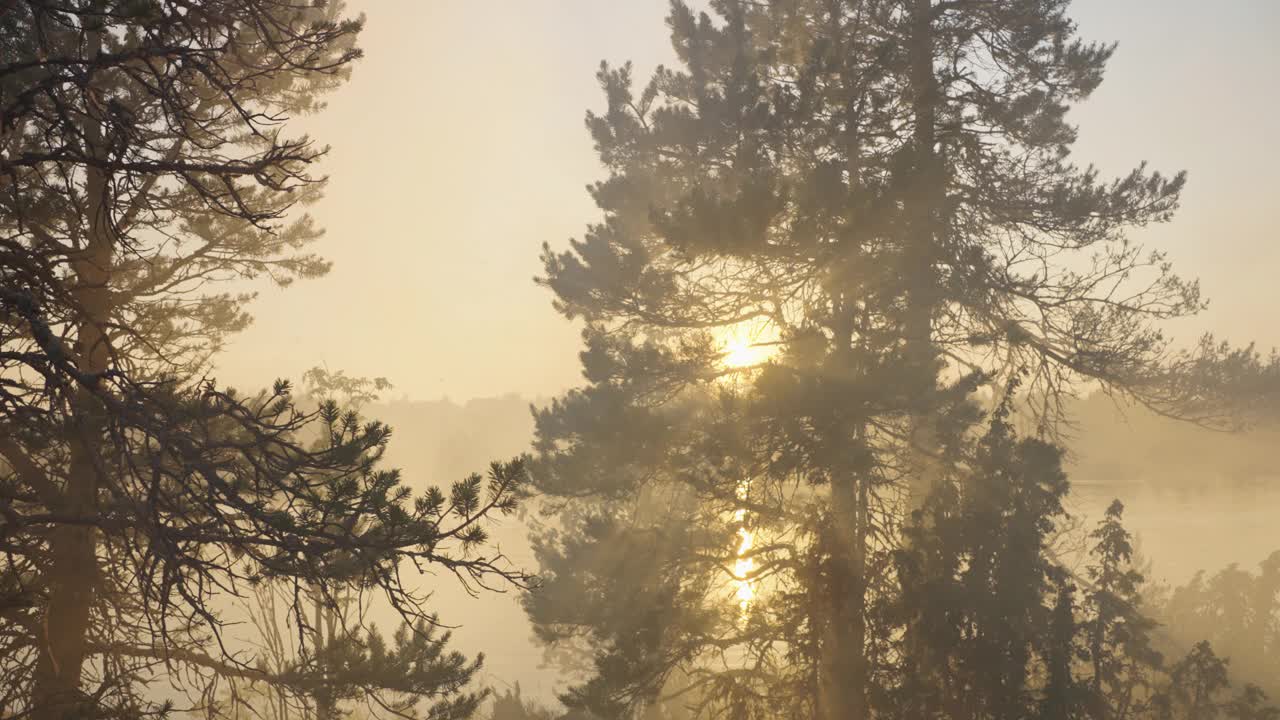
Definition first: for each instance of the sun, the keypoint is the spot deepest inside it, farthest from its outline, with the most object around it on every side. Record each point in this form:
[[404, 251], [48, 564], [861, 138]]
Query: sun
[[743, 353], [747, 344]]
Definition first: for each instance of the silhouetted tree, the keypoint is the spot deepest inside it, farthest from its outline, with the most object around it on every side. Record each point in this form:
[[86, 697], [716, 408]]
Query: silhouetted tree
[[987, 612], [336, 662], [1237, 611], [142, 160], [511, 705], [881, 192], [353, 672], [1196, 686], [1195, 683], [1117, 630], [1249, 705], [1063, 694]]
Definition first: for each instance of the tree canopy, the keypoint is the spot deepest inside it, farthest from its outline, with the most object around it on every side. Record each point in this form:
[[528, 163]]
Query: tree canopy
[[144, 161], [838, 243]]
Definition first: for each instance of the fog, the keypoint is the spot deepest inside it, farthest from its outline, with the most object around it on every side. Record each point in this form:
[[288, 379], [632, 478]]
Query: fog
[[872, 359], [1197, 500]]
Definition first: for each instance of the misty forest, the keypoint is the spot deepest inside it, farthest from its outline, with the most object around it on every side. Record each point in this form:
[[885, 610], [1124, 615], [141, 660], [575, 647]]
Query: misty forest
[[871, 381]]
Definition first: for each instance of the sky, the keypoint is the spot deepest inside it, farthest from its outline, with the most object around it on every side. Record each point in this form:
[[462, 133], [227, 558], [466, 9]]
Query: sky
[[458, 148]]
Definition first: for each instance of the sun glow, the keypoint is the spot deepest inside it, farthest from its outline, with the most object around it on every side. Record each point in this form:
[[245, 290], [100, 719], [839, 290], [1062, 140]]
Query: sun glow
[[743, 567], [743, 353], [747, 344]]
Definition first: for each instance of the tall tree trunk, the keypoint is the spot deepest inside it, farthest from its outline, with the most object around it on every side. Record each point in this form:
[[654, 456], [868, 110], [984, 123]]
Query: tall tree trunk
[[924, 191], [844, 676], [843, 666], [73, 570], [72, 576], [326, 703], [925, 194]]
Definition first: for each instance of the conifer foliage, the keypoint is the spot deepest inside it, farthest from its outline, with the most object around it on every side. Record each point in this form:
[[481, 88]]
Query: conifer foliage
[[838, 242], [144, 158]]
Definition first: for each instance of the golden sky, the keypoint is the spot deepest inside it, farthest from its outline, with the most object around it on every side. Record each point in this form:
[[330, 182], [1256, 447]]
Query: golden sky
[[459, 147]]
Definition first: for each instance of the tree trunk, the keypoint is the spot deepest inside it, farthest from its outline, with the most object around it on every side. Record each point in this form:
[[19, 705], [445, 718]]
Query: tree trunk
[[844, 677], [73, 569], [843, 666], [326, 703], [924, 191], [72, 576], [925, 194]]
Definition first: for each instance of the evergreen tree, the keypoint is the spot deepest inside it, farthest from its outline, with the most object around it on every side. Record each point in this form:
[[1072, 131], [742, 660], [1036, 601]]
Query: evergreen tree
[[342, 663], [881, 193], [1063, 695], [143, 160], [1194, 686], [1237, 611], [1249, 705], [988, 627], [511, 705], [1117, 631], [1195, 689]]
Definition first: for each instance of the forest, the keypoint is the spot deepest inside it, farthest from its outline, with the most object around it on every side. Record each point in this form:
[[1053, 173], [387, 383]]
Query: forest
[[882, 405]]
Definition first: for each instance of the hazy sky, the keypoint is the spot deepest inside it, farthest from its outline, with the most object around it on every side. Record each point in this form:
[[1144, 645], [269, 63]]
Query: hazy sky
[[459, 147]]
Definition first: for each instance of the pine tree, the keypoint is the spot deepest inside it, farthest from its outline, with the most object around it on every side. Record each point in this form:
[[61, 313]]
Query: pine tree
[[1063, 695], [1237, 611], [336, 662], [1118, 630], [143, 161], [1194, 685], [1195, 689], [1249, 705], [988, 628], [880, 192]]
